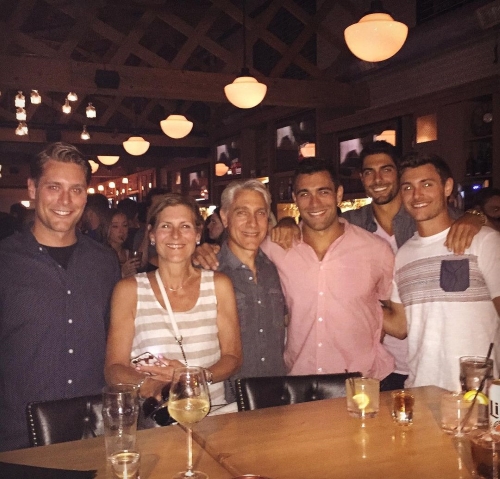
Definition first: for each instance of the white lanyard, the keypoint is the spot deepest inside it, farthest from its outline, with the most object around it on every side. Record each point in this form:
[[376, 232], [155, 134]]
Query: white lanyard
[[178, 335]]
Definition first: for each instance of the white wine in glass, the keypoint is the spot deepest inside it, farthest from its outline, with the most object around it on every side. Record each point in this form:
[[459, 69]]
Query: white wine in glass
[[189, 403]]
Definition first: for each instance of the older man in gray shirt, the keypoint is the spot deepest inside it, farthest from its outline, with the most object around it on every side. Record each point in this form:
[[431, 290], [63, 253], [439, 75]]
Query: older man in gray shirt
[[261, 305]]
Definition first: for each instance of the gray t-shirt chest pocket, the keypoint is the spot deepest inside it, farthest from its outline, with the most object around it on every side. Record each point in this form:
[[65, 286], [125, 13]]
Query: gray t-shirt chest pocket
[[454, 275]]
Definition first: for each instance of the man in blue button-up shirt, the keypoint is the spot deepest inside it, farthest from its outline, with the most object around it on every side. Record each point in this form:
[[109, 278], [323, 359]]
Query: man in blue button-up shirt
[[54, 297]]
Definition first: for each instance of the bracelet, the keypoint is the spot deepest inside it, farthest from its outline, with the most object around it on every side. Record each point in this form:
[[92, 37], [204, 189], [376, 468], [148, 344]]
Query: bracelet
[[479, 213], [209, 376]]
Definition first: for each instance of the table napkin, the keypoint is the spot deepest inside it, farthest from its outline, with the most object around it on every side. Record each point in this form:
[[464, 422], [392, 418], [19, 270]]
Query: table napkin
[[20, 471]]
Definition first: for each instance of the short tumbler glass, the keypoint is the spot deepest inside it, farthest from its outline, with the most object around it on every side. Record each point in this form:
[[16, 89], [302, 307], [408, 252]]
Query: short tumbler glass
[[402, 407], [456, 414], [363, 396]]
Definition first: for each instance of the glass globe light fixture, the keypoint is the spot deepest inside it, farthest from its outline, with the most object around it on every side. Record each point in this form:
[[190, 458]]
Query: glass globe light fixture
[[377, 36]]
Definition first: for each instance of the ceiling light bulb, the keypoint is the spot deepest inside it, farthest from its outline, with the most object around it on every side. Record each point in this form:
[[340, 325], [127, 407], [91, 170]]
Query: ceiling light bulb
[[20, 114], [136, 145], [19, 101], [66, 108], [22, 129], [176, 126], [90, 111], [72, 96], [85, 134], [36, 99], [19, 130]]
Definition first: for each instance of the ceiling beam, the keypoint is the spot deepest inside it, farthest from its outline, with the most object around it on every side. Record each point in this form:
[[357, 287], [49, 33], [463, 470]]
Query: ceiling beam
[[60, 75], [100, 138]]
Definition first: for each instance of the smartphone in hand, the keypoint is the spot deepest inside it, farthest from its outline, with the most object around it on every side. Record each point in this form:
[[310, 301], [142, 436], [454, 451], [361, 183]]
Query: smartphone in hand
[[145, 359]]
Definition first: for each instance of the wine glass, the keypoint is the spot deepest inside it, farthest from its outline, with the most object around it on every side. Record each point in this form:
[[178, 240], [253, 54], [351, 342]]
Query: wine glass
[[189, 403]]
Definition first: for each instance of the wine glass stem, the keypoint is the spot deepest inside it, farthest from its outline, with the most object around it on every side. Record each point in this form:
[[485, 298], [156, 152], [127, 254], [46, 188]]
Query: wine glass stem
[[189, 471]]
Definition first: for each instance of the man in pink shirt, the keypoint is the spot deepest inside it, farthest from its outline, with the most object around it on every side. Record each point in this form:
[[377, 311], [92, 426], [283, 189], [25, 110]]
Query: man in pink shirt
[[333, 280]]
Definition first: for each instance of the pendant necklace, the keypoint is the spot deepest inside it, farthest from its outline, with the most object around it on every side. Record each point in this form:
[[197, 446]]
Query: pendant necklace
[[181, 286]]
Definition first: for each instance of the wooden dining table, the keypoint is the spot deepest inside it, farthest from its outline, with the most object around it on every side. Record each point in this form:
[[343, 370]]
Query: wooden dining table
[[310, 440]]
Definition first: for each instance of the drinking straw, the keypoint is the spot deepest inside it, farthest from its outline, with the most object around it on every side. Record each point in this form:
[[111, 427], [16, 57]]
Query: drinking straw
[[478, 390], [352, 383]]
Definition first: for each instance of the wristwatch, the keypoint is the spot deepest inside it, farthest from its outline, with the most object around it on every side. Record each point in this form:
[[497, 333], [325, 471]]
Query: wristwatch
[[209, 377], [479, 213]]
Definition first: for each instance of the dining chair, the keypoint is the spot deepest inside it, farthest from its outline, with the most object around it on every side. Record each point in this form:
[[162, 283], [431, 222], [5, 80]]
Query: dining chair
[[261, 392], [51, 422]]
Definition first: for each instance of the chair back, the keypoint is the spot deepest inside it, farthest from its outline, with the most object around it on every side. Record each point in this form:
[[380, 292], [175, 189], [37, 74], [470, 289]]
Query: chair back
[[262, 392], [50, 422]]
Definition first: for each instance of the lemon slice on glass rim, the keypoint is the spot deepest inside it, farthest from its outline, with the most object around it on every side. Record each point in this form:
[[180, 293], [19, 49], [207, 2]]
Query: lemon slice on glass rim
[[362, 400], [481, 397]]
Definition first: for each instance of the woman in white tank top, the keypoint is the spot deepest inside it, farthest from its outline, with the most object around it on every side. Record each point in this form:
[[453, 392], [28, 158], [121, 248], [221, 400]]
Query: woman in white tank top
[[199, 328]]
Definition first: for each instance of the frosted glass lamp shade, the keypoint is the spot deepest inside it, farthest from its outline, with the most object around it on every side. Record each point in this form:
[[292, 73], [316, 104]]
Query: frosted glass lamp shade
[[376, 37], [308, 150], [136, 145], [221, 169], [94, 165], [176, 126], [245, 92], [108, 160]]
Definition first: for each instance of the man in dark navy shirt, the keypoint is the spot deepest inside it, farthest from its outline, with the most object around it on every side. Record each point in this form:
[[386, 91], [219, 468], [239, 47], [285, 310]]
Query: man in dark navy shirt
[[54, 297]]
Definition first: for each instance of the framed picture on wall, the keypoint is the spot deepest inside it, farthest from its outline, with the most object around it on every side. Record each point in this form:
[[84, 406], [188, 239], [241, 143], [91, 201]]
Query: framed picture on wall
[[290, 135], [196, 183], [174, 182]]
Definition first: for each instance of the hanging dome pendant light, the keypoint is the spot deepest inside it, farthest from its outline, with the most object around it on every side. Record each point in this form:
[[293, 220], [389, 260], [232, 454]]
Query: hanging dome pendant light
[[136, 145], [245, 91], [377, 36], [176, 126]]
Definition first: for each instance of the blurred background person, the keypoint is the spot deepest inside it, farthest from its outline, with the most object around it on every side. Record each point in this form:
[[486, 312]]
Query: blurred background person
[[214, 229], [488, 202], [20, 214], [130, 209], [95, 217], [116, 237]]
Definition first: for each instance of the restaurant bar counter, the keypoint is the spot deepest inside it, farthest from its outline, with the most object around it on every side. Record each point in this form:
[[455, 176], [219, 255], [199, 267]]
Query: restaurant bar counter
[[310, 440]]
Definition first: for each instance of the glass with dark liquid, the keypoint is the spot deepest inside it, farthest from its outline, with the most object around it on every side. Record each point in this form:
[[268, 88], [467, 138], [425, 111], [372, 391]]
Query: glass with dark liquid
[[402, 407], [485, 452]]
